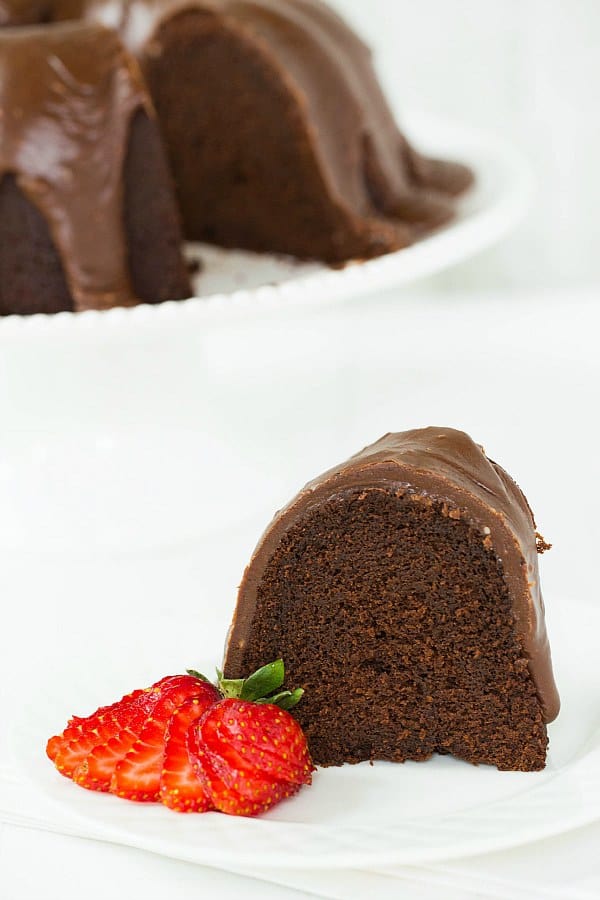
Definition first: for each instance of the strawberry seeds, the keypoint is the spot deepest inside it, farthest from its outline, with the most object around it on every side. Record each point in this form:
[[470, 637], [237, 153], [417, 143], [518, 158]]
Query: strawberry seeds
[[191, 745]]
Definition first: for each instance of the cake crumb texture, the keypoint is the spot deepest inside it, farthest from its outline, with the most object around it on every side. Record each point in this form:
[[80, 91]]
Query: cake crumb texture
[[392, 611]]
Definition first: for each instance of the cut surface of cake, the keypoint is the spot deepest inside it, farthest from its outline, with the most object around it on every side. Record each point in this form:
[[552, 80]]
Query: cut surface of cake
[[88, 218], [402, 591], [279, 136]]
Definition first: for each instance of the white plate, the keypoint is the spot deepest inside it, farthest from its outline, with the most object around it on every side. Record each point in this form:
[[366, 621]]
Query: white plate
[[234, 281], [114, 554], [354, 816]]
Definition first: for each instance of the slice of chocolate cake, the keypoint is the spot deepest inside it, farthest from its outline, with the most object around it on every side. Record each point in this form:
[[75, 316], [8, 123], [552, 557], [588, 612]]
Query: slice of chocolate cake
[[401, 589]]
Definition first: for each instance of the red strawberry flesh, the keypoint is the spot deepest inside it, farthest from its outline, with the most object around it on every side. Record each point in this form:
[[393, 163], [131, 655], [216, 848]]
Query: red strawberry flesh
[[249, 756], [179, 743], [137, 775], [78, 726], [266, 739], [224, 798], [130, 715], [180, 787]]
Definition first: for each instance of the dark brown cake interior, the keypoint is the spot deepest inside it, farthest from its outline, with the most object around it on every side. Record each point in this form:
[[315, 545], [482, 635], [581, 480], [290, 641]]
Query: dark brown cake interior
[[393, 613], [32, 277], [244, 159], [157, 268]]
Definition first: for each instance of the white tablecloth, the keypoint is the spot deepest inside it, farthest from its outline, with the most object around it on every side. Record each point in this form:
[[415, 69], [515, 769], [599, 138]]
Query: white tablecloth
[[35, 862]]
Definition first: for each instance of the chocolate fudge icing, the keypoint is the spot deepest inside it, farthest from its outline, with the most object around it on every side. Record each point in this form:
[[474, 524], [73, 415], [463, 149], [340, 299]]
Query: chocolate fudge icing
[[359, 188], [80, 89], [23, 12], [438, 464], [84, 186]]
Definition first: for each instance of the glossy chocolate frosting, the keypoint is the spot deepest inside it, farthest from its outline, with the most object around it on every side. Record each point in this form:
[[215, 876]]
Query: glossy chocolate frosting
[[368, 168], [68, 93], [23, 12], [442, 464]]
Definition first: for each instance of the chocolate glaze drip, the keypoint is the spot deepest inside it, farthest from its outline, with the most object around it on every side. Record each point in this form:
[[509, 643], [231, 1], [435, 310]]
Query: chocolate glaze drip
[[446, 465], [368, 168], [23, 12], [68, 94]]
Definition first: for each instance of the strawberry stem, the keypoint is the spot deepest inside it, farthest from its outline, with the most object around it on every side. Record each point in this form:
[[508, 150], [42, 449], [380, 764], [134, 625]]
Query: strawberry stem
[[230, 687], [260, 687], [196, 674]]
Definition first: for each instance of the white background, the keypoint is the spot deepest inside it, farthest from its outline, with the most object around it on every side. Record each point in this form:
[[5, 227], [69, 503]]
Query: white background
[[528, 70]]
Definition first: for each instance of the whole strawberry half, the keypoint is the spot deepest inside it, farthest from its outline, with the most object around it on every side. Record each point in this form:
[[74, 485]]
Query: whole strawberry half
[[248, 751]]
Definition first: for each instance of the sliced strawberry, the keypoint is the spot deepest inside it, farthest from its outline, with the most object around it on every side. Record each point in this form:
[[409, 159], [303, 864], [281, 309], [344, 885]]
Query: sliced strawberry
[[249, 756], [137, 775], [54, 745], [71, 754], [78, 724], [78, 727], [96, 770], [223, 797], [110, 719], [180, 787], [178, 742], [266, 739], [128, 718]]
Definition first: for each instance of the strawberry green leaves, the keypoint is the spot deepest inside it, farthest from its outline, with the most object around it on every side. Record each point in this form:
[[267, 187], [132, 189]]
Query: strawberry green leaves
[[261, 687]]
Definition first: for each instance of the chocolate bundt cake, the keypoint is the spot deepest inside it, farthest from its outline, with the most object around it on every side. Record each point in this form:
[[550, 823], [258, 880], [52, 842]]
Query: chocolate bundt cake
[[402, 591], [88, 218], [283, 141], [279, 136]]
